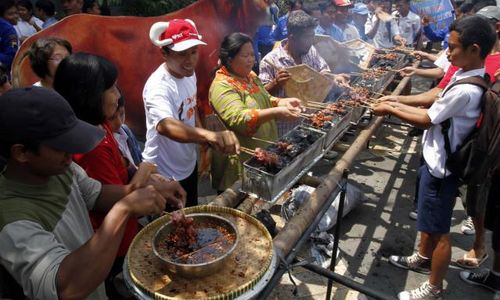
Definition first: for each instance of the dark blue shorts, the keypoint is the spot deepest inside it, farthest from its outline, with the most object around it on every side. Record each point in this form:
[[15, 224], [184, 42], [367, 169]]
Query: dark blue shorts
[[436, 198]]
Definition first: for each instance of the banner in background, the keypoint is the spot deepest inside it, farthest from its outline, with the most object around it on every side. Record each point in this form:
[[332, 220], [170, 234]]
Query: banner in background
[[440, 12]]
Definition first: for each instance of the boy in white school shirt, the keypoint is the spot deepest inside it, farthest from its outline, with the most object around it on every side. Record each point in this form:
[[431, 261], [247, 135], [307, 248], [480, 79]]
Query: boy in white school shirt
[[471, 39]]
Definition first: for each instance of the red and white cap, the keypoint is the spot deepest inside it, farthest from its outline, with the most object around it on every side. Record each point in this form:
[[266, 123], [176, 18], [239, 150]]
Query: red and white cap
[[342, 3], [176, 34]]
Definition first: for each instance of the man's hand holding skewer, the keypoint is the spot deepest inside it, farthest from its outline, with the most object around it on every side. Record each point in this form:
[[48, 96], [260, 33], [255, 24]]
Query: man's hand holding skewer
[[408, 71], [282, 77], [224, 141], [382, 109]]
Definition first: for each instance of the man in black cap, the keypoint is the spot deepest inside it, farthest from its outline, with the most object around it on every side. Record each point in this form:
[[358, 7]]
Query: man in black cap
[[46, 240]]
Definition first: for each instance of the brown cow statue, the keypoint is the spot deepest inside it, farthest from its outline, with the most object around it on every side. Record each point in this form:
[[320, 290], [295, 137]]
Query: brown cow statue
[[125, 41]]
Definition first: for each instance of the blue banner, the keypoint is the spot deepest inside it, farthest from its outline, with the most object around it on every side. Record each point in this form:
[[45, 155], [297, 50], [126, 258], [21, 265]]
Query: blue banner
[[440, 12]]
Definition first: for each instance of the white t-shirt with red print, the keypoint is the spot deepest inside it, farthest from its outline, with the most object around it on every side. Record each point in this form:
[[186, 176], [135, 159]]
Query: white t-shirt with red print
[[166, 96]]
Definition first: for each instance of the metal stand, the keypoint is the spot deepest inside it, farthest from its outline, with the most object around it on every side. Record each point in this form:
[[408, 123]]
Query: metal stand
[[286, 262], [336, 235], [290, 260]]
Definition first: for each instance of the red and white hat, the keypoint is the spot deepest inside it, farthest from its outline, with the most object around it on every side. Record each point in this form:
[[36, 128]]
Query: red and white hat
[[177, 34], [342, 3]]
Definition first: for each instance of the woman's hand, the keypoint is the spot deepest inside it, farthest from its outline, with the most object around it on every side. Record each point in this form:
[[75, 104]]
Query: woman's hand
[[283, 112], [497, 74], [291, 103]]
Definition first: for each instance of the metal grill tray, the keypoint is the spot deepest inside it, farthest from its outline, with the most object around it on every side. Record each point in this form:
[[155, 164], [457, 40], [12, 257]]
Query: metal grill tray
[[270, 187], [340, 125]]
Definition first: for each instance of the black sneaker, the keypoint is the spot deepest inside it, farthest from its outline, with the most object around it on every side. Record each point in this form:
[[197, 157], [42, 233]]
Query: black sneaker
[[483, 278], [413, 214], [414, 262]]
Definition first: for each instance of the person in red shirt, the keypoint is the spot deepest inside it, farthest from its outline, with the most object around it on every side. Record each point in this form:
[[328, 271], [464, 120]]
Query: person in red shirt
[[478, 254], [88, 83]]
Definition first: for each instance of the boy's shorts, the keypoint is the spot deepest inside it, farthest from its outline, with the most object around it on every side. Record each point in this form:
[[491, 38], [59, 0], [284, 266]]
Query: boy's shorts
[[436, 198]]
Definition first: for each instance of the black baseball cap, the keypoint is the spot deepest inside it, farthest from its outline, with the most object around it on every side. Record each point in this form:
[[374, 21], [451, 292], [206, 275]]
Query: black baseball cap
[[42, 115]]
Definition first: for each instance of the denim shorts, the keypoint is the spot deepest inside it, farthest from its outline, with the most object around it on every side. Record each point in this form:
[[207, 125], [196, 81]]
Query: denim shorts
[[436, 199]]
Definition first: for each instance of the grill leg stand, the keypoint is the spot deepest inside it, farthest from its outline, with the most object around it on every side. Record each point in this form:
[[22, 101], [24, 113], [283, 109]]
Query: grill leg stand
[[336, 236]]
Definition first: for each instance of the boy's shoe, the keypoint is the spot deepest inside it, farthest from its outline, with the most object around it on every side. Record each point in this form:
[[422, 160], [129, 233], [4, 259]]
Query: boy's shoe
[[468, 226], [413, 214], [424, 292], [483, 278], [414, 262]]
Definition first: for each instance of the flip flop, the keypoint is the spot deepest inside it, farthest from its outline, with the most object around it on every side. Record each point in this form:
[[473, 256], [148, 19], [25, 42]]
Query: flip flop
[[471, 262]]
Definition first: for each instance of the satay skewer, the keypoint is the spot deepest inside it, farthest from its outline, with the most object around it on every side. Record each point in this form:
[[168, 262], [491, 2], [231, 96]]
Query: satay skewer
[[306, 116], [247, 150], [316, 106], [377, 93], [320, 104], [313, 107], [262, 140]]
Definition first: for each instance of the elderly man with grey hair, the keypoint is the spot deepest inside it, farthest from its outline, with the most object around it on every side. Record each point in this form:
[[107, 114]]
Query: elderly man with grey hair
[[297, 49]]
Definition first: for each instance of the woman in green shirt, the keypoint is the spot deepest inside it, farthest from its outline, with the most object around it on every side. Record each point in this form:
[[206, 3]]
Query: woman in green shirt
[[241, 101]]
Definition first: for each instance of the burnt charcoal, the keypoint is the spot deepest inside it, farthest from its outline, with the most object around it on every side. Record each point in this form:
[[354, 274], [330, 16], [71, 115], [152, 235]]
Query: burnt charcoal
[[328, 125], [299, 140], [298, 134]]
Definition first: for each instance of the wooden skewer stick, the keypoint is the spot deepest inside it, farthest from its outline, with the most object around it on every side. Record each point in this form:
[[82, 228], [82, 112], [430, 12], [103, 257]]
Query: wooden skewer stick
[[369, 100], [317, 106], [190, 254], [262, 140], [314, 108], [318, 103], [307, 116], [247, 150], [391, 70], [365, 106]]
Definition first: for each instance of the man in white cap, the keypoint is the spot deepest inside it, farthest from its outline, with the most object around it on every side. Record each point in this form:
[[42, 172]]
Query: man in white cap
[[342, 20], [173, 124], [359, 17]]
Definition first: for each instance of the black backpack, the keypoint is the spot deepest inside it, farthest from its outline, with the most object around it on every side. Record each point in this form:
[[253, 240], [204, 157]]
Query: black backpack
[[479, 154]]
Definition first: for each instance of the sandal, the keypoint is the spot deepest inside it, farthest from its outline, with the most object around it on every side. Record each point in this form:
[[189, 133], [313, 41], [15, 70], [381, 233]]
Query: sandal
[[471, 262]]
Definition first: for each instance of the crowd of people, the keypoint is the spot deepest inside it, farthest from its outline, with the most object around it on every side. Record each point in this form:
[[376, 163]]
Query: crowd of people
[[20, 19], [74, 179]]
